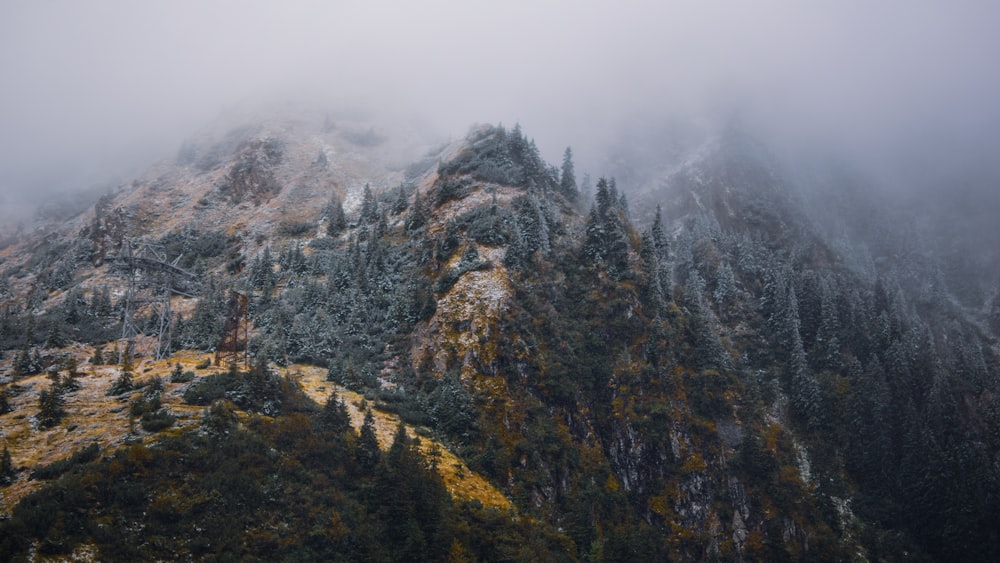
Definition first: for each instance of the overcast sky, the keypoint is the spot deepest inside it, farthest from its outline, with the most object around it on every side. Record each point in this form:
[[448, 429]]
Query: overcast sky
[[89, 87]]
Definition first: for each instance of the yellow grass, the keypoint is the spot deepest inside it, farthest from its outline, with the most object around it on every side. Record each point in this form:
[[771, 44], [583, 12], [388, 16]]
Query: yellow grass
[[461, 481], [92, 416]]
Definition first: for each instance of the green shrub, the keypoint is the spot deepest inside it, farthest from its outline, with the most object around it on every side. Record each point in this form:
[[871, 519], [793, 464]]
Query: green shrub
[[57, 468], [158, 420], [122, 385]]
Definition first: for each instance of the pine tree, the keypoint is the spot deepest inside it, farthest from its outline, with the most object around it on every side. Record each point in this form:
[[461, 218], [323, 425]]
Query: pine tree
[[53, 337], [567, 179], [70, 382], [604, 199], [517, 256], [827, 348], [417, 217], [262, 277], [4, 402], [369, 206], [50, 404], [98, 357], [368, 453], [7, 471], [334, 416], [586, 190], [401, 202], [123, 384], [659, 236], [336, 219]]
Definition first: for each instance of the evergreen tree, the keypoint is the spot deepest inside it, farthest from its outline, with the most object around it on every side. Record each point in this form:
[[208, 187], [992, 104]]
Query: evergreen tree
[[658, 234], [53, 337], [517, 256], [98, 357], [587, 190], [123, 384], [368, 453], [594, 245], [4, 402], [70, 382], [567, 179], [100, 302], [827, 348], [262, 276], [419, 213], [334, 416], [401, 202], [50, 404], [336, 219], [369, 206], [725, 286], [7, 471]]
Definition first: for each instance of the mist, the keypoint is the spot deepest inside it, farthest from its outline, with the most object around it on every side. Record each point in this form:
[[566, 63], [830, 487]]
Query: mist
[[94, 90]]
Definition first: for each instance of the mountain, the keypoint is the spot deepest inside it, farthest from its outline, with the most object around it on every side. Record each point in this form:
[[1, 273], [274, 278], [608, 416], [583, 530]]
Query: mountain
[[456, 354]]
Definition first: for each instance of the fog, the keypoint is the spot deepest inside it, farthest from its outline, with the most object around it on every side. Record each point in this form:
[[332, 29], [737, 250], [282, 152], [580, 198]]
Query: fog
[[94, 89]]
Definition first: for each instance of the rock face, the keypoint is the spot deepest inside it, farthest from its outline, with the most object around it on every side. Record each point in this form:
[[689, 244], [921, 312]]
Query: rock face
[[252, 177], [722, 381]]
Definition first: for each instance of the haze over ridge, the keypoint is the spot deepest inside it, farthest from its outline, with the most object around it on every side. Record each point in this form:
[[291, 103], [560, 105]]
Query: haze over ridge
[[93, 88]]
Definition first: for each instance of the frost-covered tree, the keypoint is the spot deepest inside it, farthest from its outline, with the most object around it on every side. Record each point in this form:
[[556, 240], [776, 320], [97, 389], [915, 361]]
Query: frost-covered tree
[[419, 213], [567, 178], [336, 219], [659, 236], [369, 206]]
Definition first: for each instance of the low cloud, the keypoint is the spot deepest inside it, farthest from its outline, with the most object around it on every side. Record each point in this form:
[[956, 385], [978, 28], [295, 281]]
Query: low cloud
[[93, 88]]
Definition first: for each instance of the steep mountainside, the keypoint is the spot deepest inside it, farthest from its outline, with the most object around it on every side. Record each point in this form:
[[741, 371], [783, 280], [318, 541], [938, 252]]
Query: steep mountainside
[[722, 379]]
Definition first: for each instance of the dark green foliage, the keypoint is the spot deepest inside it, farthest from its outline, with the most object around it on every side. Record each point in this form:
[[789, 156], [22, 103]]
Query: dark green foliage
[[411, 406], [98, 357], [260, 390], [334, 417], [56, 469], [336, 219], [451, 189], [296, 229], [51, 403], [224, 495], [606, 240], [501, 157], [178, 375], [417, 217], [122, 384], [452, 409], [156, 421], [4, 401], [203, 329], [487, 225], [368, 453], [8, 473], [369, 206], [148, 408]]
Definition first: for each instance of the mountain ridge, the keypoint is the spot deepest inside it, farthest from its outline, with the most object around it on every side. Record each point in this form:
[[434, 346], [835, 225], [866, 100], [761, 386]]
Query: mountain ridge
[[721, 382]]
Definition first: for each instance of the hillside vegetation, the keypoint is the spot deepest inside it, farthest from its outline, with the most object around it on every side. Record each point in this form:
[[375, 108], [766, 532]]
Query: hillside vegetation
[[472, 359]]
